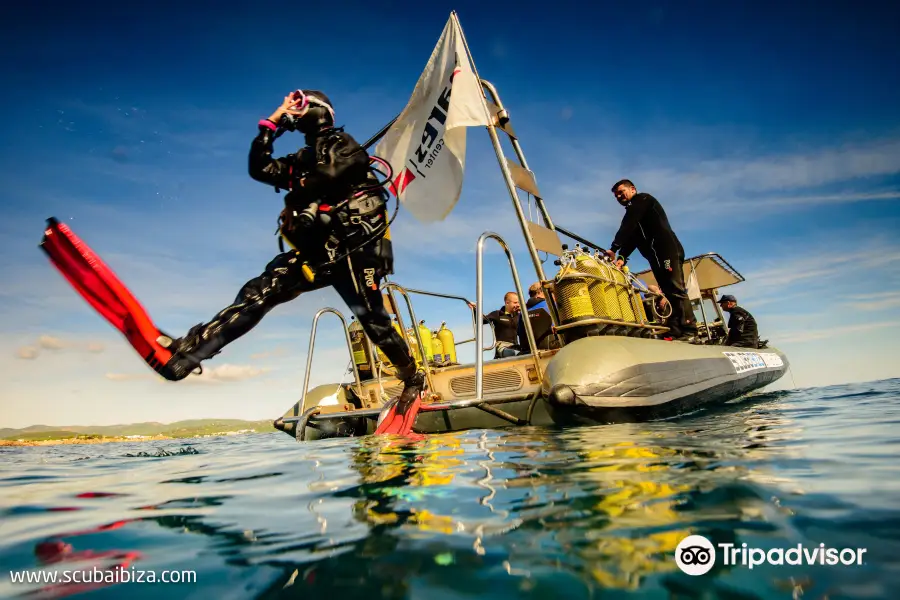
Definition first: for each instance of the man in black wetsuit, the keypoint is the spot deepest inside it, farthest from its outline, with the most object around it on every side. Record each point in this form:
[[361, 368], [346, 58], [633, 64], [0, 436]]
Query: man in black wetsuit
[[334, 205], [506, 320], [645, 227], [742, 329]]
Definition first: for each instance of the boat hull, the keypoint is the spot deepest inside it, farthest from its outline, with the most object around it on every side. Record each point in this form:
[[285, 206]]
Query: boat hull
[[593, 380], [621, 379]]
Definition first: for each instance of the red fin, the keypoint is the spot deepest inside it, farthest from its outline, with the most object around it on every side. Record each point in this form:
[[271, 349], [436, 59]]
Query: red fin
[[100, 288], [400, 424]]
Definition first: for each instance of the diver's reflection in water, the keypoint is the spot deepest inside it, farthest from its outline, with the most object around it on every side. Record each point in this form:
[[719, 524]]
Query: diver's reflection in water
[[538, 513]]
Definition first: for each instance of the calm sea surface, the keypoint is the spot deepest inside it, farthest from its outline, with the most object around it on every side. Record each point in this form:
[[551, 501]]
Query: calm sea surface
[[591, 512]]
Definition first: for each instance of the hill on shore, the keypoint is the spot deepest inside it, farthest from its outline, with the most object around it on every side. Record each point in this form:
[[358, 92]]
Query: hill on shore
[[179, 429]]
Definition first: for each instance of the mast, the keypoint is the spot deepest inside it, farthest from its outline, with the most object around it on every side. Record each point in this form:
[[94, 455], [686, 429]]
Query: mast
[[504, 167]]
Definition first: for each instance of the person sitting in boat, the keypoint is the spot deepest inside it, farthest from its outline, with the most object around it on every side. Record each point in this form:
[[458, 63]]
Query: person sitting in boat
[[506, 322], [335, 217], [646, 227], [541, 323], [742, 329]]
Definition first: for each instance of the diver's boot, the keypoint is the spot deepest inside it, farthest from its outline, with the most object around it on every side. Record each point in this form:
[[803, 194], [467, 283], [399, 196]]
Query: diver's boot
[[413, 386], [188, 352], [399, 415]]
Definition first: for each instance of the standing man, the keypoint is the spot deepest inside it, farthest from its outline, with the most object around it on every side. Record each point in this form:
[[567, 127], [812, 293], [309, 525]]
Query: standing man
[[742, 329], [645, 227]]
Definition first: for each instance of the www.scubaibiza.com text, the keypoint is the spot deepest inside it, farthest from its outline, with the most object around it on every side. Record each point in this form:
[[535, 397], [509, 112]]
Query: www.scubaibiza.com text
[[108, 576]]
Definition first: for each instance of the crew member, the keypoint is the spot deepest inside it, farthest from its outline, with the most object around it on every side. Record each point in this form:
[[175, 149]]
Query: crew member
[[742, 329], [335, 217], [506, 320], [645, 227], [541, 323]]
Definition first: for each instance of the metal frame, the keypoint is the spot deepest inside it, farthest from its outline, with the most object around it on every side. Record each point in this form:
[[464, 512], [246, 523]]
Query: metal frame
[[716, 257], [312, 343], [468, 303], [479, 270]]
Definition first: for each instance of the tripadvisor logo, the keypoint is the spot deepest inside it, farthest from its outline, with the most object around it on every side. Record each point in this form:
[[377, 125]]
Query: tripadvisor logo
[[696, 555]]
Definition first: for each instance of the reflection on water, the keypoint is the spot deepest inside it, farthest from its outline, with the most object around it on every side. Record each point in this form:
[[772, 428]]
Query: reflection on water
[[531, 512]]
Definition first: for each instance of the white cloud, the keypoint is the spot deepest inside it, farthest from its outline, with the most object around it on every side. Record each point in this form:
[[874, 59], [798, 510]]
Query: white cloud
[[228, 373], [225, 373], [27, 352], [56, 344], [745, 183], [875, 301], [50, 342], [813, 335]]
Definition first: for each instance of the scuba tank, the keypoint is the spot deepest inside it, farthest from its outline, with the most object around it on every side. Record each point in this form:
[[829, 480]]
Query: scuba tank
[[388, 367], [414, 345], [636, 302], [360, 346], [446, 337], [572, 290], [425, 334], [438, 348]]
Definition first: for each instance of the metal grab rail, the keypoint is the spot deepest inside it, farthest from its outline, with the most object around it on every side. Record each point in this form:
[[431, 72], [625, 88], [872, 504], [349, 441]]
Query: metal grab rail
[[468, 303], [479, 334], [312, 343], [390, 286]]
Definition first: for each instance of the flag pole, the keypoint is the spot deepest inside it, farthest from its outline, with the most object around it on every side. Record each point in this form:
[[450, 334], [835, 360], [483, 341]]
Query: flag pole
[[507, 175]]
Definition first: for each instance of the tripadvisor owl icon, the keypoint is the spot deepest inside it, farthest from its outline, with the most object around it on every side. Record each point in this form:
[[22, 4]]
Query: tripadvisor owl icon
[[695, 555]]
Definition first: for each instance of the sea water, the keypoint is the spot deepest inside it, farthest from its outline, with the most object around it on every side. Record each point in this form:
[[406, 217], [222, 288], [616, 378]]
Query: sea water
[[587, 512]]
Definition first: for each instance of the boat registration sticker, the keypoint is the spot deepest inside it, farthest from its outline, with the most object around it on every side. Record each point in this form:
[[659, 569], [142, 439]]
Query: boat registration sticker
[[746, 361], [771, 359]]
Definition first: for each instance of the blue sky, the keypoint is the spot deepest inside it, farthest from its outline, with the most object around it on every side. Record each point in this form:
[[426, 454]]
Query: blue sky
[[770, 133]]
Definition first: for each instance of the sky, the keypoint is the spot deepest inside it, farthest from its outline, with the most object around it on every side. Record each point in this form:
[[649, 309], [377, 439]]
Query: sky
[[769, 132]]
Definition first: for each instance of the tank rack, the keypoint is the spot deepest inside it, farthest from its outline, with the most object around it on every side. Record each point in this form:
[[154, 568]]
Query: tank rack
[[595, 297]]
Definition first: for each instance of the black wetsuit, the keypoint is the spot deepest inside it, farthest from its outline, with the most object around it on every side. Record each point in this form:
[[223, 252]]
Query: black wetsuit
[[541, 326], [742, 329], [645, 226], [332, 166], [505, 325]]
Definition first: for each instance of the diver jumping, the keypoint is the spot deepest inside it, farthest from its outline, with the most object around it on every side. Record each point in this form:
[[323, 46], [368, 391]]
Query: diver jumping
[[333, 205], [335, 220]]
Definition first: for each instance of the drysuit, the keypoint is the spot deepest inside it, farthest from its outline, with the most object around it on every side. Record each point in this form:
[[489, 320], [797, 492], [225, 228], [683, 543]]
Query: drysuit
[[330, 169], [645, 227], [742, 329]]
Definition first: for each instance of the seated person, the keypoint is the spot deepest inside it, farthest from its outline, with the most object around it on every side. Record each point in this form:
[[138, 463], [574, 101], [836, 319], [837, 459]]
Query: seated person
[[506, 321], [742, 329], [541, 323]]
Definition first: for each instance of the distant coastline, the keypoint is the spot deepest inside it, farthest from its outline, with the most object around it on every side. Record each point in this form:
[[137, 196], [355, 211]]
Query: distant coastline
[[44, 435]]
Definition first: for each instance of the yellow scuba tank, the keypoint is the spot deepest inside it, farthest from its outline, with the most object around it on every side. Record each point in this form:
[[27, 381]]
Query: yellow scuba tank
[[425, 334], [602, 292], [636, 301], [622, 294], [437, 348], [572, 291], [388, 367], [414, 345], [449, 346], [360, 345]]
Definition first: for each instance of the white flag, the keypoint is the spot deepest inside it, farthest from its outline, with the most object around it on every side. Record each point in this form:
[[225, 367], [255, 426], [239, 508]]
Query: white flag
[[426, 146]]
